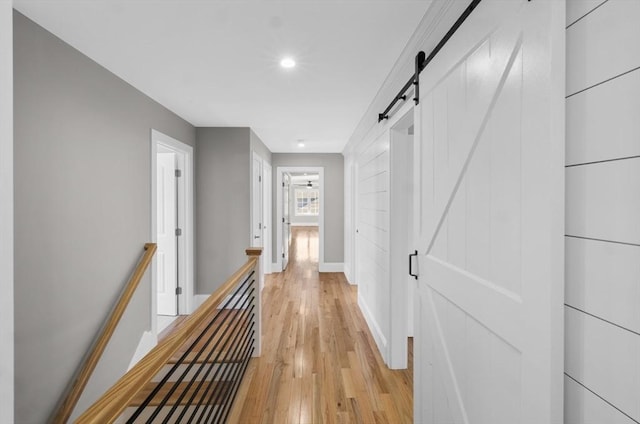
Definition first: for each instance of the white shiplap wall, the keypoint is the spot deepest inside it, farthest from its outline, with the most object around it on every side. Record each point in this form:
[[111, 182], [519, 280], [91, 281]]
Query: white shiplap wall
[[367, 259], [372, 238], [602, 327]]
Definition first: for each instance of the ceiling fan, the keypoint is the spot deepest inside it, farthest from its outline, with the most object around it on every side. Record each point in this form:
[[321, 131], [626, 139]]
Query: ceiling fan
[[308, 184]]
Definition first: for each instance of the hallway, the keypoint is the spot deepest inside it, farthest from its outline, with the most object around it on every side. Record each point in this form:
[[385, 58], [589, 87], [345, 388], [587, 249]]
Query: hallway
[[319, 362]]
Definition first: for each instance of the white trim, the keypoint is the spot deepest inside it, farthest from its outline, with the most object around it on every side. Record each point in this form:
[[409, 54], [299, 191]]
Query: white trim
[[304, 224], [401, 216], [331, 267], [276, 267], [186, 251], [267, 199], [6, 214], [147, 342], [347, 274], [287, 169], [376, 332], [266, 205]]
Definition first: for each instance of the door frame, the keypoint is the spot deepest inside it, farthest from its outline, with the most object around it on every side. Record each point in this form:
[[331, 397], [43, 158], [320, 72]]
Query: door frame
[[258, 186], [394, 348], [400, 227], [285, 191], [280, 170], [186, 302], [267, 233]]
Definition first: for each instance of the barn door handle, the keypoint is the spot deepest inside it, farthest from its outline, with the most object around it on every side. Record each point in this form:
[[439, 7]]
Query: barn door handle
[[415, 253]]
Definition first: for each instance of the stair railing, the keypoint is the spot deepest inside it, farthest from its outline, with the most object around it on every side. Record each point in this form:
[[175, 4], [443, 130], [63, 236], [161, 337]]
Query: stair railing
[[193, 374], [81, 377]]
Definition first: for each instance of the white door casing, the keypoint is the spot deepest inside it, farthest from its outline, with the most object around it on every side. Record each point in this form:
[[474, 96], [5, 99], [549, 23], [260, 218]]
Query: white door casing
[[286, 220], [256, 214], [161, 143], [166, 255], [266, 211], [257, 232], [282, 174], [400, 212], [488, 160]]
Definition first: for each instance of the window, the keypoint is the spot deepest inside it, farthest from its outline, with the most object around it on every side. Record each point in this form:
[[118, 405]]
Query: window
[[307, 202]]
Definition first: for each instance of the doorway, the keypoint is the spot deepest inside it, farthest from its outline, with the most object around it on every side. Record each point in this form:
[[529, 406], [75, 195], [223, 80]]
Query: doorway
[[171, 229], [401, 230], [261, 211], [285, 183], [285, 244]]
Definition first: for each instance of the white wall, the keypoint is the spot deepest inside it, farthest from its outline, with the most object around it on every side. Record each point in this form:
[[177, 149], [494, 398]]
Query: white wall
[[372, 236], [602, 358], [366, 176], [349, 217], [435, 23], [6, 212]]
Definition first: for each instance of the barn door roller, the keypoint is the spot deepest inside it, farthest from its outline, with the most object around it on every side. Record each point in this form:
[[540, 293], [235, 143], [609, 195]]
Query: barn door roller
[[421, 62]]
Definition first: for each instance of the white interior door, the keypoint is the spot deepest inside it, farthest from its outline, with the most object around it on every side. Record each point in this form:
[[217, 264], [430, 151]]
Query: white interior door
[[489, 155], [256, 216], [266, 211], [166, 255], [286, 221]]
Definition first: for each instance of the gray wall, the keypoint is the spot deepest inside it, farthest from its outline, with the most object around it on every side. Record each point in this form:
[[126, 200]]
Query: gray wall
[[258, 146], [223, 195], [333, 164], [6, 213], [82, 209], [602, 246]]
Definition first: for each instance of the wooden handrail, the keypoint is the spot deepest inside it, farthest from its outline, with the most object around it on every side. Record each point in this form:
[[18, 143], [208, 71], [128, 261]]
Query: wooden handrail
[[71, 396], [113, 402]]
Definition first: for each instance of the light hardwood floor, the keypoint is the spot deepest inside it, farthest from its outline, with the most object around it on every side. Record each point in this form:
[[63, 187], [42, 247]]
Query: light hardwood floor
[[319, 362]]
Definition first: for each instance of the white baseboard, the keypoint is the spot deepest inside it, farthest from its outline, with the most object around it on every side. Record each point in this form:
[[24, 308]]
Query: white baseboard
[[347, 274], [331, 267], [147, 342], [304, 224], [378, 335]]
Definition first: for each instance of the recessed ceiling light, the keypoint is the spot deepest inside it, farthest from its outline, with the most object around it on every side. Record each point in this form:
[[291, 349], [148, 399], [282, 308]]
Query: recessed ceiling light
[[288, 63]]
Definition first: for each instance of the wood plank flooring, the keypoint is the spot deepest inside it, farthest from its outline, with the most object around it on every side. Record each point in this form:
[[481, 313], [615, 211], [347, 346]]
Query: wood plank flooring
[[319, 362]]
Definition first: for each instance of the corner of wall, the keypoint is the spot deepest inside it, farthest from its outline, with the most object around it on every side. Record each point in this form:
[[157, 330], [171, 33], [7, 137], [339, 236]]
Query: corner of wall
[[6, 214]]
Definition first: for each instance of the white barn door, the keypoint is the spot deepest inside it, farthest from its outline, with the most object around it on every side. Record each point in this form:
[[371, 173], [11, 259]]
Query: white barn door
[[489, 163]]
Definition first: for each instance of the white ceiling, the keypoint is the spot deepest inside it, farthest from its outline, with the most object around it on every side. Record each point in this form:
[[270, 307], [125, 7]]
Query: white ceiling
[[216, 63], [301, 176]]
